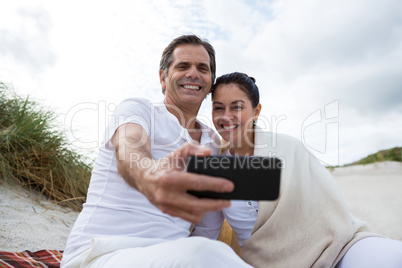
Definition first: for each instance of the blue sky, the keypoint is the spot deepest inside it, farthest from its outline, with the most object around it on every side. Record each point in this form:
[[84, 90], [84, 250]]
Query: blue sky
[[329, 72]]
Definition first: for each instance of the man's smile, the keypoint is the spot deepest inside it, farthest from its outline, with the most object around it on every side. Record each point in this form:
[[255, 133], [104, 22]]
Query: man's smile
[[192, 87]]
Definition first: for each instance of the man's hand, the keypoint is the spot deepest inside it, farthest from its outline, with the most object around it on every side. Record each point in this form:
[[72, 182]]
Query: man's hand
[[164, 181], [167, 188]]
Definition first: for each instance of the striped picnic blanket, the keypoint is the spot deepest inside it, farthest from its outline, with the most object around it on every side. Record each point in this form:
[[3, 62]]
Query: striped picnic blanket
[[42, 258]]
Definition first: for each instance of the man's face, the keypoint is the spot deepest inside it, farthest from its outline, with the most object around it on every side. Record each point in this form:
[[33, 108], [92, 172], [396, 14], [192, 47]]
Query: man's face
[[188, 80]]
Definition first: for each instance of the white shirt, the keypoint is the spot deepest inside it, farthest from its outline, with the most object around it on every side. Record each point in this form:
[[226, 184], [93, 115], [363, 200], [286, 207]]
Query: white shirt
[[113, 208], [241, 216]]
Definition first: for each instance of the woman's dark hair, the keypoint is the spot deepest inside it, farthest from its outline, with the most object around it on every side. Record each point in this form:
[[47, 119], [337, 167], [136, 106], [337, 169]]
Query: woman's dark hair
[[245, 83], [167, 55]]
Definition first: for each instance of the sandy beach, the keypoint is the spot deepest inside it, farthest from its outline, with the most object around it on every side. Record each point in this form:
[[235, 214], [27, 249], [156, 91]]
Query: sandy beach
[[373, 193], [29, 222]]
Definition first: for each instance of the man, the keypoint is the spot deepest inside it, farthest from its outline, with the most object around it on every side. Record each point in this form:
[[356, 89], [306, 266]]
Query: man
[[138, 212]]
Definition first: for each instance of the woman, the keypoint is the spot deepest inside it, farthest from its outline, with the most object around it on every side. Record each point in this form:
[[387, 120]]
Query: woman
[[309, 225]]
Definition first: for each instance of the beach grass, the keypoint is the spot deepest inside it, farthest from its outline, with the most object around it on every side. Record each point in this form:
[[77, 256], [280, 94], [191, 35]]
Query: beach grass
[[36, 154], [393, 154]]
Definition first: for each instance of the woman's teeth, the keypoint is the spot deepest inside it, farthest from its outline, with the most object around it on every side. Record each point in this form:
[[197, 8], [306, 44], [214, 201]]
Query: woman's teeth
[[229, 126]]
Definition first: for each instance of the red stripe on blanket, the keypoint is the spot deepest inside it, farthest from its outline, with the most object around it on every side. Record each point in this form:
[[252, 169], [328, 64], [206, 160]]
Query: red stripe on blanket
[[42, 258]]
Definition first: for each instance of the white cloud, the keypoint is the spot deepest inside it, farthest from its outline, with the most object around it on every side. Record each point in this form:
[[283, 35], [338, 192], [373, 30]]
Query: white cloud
[[304, 54], [314, 52]]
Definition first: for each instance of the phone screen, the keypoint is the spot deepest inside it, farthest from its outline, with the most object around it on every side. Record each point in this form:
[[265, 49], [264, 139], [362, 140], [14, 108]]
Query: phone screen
[[255, 177]]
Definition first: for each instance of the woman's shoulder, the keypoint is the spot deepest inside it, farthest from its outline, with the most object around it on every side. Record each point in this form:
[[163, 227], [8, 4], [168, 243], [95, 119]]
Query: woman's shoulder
[[264, 136]]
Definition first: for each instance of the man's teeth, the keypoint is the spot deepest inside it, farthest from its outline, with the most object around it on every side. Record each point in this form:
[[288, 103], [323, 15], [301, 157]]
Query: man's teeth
[[230, 127], [192, 87]]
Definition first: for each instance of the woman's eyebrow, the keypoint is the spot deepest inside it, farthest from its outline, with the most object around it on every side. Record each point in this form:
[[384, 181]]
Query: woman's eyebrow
[[236, 101], [233, 102]]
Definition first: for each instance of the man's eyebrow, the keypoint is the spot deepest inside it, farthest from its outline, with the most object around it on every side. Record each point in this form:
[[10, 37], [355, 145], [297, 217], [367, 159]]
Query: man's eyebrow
[[201, 64], [188, 63], [185, 63]]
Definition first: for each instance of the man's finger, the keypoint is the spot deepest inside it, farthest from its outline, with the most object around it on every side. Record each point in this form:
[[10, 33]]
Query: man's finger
[[192, 208], [197, 182], [192, 148], [179, 157], [179, 181]]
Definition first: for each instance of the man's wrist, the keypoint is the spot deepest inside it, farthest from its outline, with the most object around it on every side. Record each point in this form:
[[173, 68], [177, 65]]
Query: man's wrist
[[144, 171]]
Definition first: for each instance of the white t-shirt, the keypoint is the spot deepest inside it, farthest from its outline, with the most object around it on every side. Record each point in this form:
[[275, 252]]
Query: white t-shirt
[[113, 208], [241, 216]]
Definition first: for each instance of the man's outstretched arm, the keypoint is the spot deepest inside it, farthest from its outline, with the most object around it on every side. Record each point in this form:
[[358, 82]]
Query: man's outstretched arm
[[163, 181]]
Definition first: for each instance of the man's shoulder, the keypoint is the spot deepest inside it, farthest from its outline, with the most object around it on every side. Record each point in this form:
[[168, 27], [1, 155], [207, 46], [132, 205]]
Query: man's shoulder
[[138, 104], [211, 132], [215, 139], [143, 101]]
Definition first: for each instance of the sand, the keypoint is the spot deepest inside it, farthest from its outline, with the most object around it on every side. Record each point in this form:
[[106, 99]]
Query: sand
[[30, 222], [374, 194]]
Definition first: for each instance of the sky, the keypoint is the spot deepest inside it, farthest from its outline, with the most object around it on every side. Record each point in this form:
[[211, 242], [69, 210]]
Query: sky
[[329, 72]]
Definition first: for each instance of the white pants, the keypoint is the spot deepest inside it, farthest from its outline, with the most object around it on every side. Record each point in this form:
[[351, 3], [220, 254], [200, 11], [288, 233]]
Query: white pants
[[143, 252], [373, 252]]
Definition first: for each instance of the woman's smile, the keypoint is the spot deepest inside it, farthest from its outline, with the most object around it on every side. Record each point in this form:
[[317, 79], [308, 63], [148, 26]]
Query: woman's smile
[[229, 126]]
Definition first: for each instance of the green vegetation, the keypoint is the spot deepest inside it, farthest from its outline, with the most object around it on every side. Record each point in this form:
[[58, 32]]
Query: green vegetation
[[393, 154], [34, 154]]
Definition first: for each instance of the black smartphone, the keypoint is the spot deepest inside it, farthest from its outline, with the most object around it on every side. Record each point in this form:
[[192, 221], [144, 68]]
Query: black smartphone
[[255, 177]]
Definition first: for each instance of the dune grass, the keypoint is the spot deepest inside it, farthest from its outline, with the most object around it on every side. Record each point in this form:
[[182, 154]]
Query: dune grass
[[35, 153], [393, 154]]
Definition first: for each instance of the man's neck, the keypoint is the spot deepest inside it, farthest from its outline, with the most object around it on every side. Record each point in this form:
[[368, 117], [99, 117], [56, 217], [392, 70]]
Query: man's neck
[[187, 118]]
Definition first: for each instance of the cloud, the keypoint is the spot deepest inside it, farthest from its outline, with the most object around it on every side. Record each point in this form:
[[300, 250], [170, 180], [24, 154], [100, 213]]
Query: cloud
[[338, 46], [308, 54], [304, 55], [28, 41]]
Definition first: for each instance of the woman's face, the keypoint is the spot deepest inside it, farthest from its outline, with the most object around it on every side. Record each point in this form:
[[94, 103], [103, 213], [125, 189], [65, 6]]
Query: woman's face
[[233, 114]]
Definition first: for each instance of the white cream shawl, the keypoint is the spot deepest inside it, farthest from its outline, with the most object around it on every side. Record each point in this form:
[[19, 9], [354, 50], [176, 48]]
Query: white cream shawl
[[310, 224]]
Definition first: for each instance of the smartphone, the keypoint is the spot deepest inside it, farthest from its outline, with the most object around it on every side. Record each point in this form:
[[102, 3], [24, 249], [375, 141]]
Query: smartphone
[[254, 177]]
